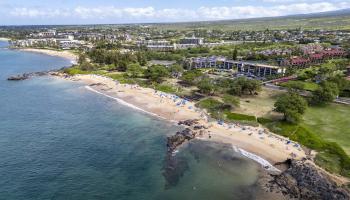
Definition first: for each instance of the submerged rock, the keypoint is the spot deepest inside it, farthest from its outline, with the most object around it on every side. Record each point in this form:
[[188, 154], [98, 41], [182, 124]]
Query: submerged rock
[[175, 166], [304, 181], [26, 76], [18, 77]]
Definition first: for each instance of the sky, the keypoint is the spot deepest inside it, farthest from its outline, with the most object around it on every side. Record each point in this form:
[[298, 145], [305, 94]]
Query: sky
[[36, 12]]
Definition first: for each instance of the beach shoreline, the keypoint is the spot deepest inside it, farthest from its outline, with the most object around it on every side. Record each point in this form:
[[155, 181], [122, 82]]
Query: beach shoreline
[[4, 39], [255, 140], [63, 54]]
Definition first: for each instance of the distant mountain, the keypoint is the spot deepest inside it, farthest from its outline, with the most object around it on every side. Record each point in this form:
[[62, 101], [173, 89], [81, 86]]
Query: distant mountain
[[336, 13], [339, 19], [344, 12], [335, 20]]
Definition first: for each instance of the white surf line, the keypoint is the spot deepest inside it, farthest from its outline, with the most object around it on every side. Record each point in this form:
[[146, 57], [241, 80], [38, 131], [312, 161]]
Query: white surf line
[[264, 163], [124, 102]]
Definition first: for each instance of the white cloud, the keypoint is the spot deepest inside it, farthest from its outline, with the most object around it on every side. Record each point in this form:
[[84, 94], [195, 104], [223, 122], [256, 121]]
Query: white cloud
[[202, 13], [34, 13]]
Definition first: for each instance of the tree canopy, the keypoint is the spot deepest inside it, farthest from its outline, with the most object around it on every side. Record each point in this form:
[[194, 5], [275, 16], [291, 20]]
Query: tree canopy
[[243, 85], [206, 86], [134, 70], [191, 77], [326, 93], [292, 105], [157, 73]]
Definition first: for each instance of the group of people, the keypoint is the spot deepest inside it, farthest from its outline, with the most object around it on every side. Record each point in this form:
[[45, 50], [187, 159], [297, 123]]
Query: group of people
[[289, 145], [183, 103]]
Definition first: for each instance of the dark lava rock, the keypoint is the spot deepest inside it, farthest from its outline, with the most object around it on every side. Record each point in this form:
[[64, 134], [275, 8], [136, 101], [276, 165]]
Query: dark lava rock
[[18, 77], [189, 122], [179, 138], [174, 166], [304, 181], [173, 169], [26, 76]]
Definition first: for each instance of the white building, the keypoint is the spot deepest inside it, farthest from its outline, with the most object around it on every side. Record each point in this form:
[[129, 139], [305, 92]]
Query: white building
[[69, 43], [47, 34], [156, 45], [192, 40]]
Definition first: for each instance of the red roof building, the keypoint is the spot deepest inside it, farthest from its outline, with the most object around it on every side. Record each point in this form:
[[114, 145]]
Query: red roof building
[[334, 52], [317, 57], [299, 62]]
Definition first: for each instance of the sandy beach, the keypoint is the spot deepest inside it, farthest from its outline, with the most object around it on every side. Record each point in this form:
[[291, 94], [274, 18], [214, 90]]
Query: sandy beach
[[64, 54], [4, 39], [257, 140]]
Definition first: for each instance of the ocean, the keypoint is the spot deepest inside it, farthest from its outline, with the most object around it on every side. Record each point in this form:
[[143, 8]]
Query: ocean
[[59, 140]]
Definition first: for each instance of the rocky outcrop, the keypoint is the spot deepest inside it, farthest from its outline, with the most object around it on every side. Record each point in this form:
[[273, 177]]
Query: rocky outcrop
[[175, 166], [26, 76], [193, 128], [18, 77], [304, 181], [179, 138], [189, 122]]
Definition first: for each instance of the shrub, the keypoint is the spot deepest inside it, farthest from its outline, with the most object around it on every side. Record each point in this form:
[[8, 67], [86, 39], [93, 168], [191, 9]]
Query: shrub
[[214, 107], [74, 71], [165, 88], [264, 121]]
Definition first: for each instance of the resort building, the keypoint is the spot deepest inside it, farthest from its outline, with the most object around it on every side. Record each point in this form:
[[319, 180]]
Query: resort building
[[64, 43], [156, 45], [246, 68], [68, 44], [192, 40], [34, 42], [48, 34], [315, 57]]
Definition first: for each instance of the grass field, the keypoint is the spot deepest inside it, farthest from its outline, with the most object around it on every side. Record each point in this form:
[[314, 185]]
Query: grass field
[[324, 129], [331, 156], [309, 86], [259, 106], [331, 122]]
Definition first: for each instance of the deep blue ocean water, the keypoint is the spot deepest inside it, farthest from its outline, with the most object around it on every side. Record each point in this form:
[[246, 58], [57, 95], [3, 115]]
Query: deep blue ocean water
[[60, 141]]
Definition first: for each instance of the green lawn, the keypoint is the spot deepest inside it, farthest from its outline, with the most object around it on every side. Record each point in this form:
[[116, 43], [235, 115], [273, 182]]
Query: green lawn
[[331, 155], [307, 85], [310, 86], [331, 122]]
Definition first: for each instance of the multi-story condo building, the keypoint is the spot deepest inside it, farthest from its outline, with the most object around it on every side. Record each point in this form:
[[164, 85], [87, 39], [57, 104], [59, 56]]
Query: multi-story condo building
[[156, 45], [192, 40], [247, 68]]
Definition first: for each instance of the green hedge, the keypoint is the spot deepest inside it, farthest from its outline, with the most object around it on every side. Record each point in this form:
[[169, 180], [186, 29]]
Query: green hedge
[[264, 121], [240, 117], [74, 71]]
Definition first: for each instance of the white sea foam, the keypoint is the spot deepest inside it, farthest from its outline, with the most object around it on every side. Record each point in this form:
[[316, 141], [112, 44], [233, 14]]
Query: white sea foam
[[123, 102], [264, 163]]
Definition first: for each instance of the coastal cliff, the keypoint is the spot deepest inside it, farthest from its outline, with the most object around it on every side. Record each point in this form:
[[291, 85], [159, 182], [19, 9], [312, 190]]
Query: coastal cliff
[[302, 180]]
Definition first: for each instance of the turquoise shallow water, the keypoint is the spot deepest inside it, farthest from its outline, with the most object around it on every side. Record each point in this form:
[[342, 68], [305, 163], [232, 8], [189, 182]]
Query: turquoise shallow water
[[60, 141]]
